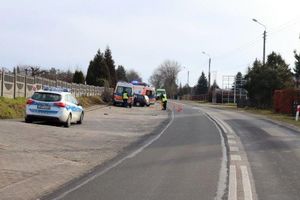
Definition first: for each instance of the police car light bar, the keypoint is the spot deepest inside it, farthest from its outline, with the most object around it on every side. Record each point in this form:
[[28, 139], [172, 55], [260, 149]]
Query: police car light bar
[[55, 89]]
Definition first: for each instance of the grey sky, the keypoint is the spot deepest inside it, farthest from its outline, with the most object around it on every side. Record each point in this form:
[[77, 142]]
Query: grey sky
[[142, 34]]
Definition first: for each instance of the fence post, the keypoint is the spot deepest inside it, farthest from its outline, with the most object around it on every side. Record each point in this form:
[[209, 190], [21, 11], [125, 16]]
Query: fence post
[[15, 82], [2, 83]]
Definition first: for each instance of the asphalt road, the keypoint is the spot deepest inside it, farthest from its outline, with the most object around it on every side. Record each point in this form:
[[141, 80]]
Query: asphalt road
[[183, 163], [269, 149]]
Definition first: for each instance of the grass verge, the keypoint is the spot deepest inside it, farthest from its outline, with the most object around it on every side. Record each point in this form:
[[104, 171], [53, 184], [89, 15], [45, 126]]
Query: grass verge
[[274, 116], [12, 108], [15, 108], [270, 114]]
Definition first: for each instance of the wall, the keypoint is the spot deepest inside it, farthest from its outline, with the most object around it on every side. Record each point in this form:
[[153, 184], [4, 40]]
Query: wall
[[17, 85]]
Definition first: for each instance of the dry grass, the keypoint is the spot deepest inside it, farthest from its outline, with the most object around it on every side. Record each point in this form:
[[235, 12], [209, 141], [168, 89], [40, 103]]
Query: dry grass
[[12, 108], [15, 108]]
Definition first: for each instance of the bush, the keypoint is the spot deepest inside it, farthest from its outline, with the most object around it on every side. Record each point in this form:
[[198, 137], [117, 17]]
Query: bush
[[12, 108]]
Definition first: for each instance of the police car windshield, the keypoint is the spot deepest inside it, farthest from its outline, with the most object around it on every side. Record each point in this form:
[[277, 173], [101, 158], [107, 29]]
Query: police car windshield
[[44, 96]]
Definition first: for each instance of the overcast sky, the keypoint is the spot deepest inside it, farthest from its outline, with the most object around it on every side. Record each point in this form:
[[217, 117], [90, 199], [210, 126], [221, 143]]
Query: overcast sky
[[142, 34]]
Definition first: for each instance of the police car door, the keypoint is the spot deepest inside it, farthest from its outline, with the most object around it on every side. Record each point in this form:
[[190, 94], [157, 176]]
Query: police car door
[[76, 111]]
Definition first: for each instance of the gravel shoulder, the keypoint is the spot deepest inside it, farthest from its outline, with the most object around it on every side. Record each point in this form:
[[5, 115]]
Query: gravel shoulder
[[36, 159]]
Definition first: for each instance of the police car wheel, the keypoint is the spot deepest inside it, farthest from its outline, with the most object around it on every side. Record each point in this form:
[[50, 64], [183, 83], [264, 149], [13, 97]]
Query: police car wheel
[[68, 122], [81, 119]]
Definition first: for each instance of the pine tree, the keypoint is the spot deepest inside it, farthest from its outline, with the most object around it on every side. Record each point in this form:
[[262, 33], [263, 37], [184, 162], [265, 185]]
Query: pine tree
[[121, 73], [78, 77], [202, 86], [98, 73], [263, 80], [111, 67], [297, 67], [238, 81]]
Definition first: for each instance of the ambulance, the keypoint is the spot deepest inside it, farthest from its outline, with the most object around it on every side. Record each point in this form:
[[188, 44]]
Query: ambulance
[[121, 87], [140, 88]]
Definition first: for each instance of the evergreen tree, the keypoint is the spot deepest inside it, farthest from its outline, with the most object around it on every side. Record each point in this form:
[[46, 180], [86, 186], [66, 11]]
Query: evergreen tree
[[98, 72], [111, 67], [238, 81], [263, 80], [297, 67], [202, 86], [78, 77], [121, 73], [214, 86]]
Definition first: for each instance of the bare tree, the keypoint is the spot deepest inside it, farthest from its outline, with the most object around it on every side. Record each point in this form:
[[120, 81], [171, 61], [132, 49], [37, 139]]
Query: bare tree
[[165, 76], [29, 70]]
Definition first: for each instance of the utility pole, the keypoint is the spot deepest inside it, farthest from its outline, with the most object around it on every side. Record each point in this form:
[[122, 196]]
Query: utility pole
[[209, 62], [264, 48], [188, 78], [264, 38]]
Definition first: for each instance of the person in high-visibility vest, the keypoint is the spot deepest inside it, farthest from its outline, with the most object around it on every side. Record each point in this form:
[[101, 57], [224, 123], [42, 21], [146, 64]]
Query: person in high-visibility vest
[[125, 99], [164, 101]]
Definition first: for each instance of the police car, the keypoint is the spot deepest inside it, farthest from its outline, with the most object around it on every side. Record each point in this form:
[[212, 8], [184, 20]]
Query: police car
[[54, 104]]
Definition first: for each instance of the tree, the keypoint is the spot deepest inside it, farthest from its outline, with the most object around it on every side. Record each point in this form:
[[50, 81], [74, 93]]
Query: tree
[[78, 77], [156, 80], [297, 67], [202, 85], [133, 76], [165, 76], [121, 73], [98, 72], [111, 67], [263, 80], [214, 86]]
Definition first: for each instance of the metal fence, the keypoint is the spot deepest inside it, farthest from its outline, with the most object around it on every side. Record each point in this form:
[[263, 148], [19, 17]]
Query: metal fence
[[13, 85]]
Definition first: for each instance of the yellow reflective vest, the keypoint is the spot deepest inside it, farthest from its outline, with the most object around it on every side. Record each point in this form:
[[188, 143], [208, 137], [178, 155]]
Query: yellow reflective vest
[[164, 98], [125, 95]]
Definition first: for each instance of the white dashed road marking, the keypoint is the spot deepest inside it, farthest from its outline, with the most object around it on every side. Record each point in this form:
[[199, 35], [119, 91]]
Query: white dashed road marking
[[232, 193], [231, 142], [235, 157], [230, 136], [233, 148], [246, 183]]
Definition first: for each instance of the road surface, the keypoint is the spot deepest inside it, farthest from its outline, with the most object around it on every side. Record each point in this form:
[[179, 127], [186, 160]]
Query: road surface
[[183, 163], [260, 160]]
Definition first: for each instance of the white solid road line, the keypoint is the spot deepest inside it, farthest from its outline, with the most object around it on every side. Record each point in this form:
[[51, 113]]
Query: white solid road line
[[246, 183], [232, 193], [222, 183], [117, 163]]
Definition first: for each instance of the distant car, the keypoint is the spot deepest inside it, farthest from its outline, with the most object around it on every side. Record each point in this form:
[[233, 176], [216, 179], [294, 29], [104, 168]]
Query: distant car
[[54, 105], [141, 100]]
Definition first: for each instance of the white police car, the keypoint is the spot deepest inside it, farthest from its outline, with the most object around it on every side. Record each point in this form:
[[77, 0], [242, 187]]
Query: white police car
[[54, 104]]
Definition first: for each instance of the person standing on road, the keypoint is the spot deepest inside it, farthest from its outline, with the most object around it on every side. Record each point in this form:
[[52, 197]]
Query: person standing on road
[[164, 101], [125, 99]]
